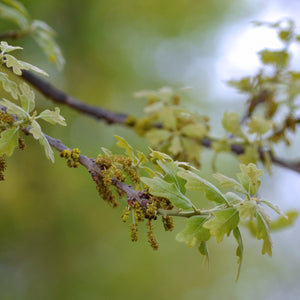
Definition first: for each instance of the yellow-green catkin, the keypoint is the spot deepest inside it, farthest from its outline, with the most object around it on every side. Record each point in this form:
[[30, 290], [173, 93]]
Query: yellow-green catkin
[[21, 144], [151, 237], [138, 212], [72, 157], [133, 232], [168, 223], [2, 167], [125, 214]]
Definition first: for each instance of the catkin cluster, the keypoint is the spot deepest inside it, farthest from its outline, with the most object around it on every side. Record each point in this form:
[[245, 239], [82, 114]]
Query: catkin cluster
[[114, 167], [2, 167], [72, 157]]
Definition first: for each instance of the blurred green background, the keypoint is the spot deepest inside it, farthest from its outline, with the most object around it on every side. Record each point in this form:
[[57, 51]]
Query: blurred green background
[[58, 239]]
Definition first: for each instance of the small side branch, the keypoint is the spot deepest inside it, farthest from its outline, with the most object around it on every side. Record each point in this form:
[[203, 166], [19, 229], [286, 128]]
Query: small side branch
[[58, 96]]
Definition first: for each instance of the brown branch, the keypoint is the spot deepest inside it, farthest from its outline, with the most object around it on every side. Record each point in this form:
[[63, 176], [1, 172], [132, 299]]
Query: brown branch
[[57, 95], [94, 169]]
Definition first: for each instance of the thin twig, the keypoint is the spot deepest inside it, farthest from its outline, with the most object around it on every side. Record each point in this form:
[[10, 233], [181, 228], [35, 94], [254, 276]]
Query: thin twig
[[59, 96]]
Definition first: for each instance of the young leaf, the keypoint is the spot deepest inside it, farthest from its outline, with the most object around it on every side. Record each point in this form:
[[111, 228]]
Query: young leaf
[[272, 57], [175, 146], [231, 123], [239, 249], [171, 169], [249, 178], [227, 182], [13, 109], [247, 209], [7, 48], [19, 65], [282, 222], [9, 86], [160, 155], [27, 97], [14, 15], [194, 232], [259, 125], [263, 230], [8, 141], [196, 183], [142, 157], [274, 207], [203, 249], [38, 135], [223, 222], [53, 117], [233, 198], [244, 84], [48, 150], [122, 143], [44, 36], [194, 130], [161, 188], [156, 136]]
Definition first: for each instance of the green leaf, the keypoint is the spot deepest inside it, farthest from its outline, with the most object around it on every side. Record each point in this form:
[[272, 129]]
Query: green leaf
[[44, 36], [171, 169], [239, 250], [251, 155], [196, 183], [281, 222], [249, 178], [157, 136], [168, 118], [27, 97], [161, 188], [7, 48], [142, 157], [14, 109], [122, 143], [14, 15], [19, 65], [18, 6], [53, 117], [274, 207], [272, 57], [263, 230], [247, 209], [8, 141], [9, 86], [259, 125], [194, 232], [48, 151], [227, 182], [203, 249], [243, 85], [231, 123], [223, 222], [175, 146], [37, 133], [194, 130], [233, 198], [36, 130], [160, 155], [192, 149]]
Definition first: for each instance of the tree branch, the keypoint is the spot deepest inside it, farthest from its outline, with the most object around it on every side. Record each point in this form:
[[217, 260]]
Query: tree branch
[[58, 96], [109, 117]]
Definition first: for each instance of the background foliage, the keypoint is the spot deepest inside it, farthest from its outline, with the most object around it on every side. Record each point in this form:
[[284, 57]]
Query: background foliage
[[58, 239]]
